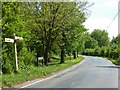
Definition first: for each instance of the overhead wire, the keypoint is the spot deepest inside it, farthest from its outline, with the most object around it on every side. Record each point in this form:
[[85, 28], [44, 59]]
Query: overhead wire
[[113, 18]]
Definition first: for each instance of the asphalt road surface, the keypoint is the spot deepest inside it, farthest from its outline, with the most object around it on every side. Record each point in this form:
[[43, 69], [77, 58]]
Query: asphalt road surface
[[94, 72]]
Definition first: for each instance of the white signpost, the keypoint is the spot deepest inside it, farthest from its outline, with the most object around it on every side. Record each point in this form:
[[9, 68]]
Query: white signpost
[[19, 38], [9, 40], [14, 40]]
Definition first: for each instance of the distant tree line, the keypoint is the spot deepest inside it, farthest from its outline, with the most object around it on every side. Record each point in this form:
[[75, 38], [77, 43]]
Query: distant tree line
[[98, 44]]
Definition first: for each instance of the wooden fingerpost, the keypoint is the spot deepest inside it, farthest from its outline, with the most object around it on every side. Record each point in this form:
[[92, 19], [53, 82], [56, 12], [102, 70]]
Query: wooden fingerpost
[[15, 50], [14, 40]]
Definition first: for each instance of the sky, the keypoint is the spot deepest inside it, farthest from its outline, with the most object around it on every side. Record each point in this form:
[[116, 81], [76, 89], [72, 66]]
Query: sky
[[102, 14]]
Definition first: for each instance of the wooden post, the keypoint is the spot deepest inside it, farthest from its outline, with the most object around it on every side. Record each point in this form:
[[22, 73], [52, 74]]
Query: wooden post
[[42, 62], [15, 50]]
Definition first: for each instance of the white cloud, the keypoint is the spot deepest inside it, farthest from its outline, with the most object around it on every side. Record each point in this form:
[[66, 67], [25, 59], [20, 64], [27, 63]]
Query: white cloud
[[103, 12], [99, 23], [98, 5], [113, 29], [111, 4], [102, 23]]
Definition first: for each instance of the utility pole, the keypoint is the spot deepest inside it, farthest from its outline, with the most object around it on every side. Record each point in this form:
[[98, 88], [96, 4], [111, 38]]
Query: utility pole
[[119, 27]]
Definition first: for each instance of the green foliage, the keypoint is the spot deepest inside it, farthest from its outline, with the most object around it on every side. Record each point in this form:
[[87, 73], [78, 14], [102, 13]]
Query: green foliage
[[52, 19], [89, 52], [91, 43], [7, 67], [104, 47], [7, 59], [110, 51], [11, 23], [101, 37], [26, 57], [45, 28], [104, 52]]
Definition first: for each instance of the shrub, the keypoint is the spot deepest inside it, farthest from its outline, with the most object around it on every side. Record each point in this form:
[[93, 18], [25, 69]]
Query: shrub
[[89, 52], [26, 57], [7, 59], [115, 54]]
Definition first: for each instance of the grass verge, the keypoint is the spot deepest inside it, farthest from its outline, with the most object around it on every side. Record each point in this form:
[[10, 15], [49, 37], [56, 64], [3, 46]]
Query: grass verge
[[114, 61], [33, 72]]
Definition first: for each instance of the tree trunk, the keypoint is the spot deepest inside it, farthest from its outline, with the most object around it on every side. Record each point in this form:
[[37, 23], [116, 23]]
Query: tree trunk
[[37, 59], [49, 57], [77, 52], [62, 56], [46, 58], [69, 53], [74, 54], [70, 56]]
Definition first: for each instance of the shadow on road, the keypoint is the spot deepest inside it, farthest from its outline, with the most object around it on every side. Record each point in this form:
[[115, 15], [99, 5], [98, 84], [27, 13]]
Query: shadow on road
[[118, 67]]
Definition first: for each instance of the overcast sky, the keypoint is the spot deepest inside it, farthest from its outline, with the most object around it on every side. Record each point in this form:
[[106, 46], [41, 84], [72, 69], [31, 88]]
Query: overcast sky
[[102, 14]]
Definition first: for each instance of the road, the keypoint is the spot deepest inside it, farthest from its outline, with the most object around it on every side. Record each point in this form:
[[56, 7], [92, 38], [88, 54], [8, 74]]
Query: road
[[94, 72]]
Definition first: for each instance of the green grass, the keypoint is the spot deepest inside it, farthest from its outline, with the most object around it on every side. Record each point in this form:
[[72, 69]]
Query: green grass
[[114, 61], [34, 72]]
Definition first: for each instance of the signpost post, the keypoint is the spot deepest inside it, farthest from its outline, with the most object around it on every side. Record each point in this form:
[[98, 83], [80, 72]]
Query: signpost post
[[14, 40]]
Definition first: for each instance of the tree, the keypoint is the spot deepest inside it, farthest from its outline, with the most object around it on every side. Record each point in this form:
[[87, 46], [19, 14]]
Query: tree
[[115, 44], [101, 37], [91, 43], [78, 40], [51, 18], [75, 38]]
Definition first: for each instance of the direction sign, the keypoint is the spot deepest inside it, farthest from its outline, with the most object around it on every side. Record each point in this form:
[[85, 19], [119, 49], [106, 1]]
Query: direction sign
[[40, 57], [9, 40], [19, 38], [15, 39]]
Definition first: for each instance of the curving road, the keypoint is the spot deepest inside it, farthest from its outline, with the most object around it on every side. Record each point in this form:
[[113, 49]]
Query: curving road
[[93, 72]]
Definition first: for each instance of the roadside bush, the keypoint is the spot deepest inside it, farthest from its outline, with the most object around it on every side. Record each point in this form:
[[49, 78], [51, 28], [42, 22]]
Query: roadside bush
[[106, 51], [115, 54], [103, 51], [99, 52], [7, 59], [89, 52], [26, 57], [7, 67], [96, 51]]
